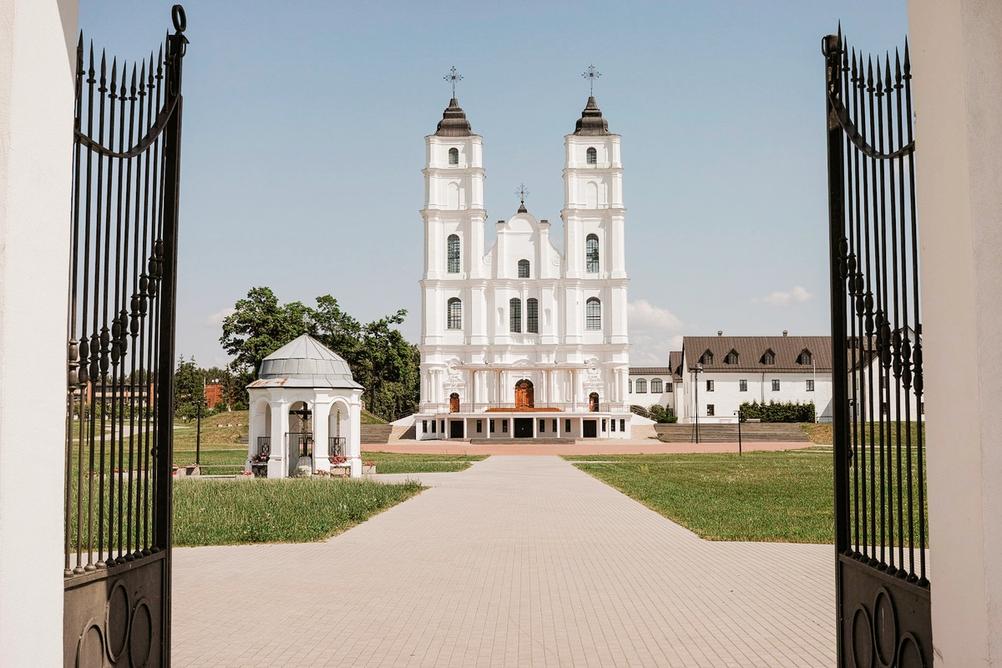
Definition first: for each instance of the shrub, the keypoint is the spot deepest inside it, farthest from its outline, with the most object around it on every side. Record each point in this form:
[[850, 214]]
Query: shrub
[[662, 414], [774, 412]]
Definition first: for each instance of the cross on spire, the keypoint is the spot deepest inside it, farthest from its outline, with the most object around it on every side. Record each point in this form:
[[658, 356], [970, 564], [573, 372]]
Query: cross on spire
[[591, 74], [453, 76], [521, 192]]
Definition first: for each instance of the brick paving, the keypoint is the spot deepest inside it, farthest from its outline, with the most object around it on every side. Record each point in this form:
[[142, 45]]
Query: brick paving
[[516, 561]]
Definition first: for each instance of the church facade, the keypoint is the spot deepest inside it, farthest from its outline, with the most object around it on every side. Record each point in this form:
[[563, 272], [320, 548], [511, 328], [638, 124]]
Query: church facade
[[521, 340]]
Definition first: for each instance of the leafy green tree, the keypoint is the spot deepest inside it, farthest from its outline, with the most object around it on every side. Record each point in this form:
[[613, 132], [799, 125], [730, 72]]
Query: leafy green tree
[[381, 360], [259, 326], [188, 389]]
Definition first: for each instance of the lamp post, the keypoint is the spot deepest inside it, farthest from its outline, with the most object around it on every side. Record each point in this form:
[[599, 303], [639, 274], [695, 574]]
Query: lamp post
[[198, 426], [695, 372], [738, 413]]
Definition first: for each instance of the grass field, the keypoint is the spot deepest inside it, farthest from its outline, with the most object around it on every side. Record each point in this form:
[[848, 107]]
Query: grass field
[[821, 433], [392, 462], [226, 512], [761, 496]]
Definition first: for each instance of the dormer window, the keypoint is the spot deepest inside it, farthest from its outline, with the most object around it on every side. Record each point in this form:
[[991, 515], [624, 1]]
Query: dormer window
[[768, 357], [453, 156], [731, 357], [523, 269], [591, 156], [706, 358], [805, 358]]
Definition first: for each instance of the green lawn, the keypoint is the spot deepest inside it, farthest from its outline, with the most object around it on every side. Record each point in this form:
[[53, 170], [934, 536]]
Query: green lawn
[[760, 496], [392, 462], [225, 512]]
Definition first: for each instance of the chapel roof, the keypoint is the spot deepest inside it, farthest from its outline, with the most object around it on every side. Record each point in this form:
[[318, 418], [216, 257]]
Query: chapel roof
[[591, 122], [305, 362], [454, 122]]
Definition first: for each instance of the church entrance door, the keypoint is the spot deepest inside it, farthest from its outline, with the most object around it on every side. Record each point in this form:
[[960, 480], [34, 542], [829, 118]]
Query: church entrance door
[[456, 429], [523, 395], [523, 427], [589, 428]]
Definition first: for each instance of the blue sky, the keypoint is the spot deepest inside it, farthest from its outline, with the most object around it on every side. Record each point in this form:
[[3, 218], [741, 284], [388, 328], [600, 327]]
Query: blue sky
[[303, 145]]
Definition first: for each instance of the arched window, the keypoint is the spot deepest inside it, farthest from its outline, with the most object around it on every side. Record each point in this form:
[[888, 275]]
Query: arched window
[[656, 386], [452, 252], [804, 358], [591, 254], [532, 315], [453, 156], [593, 314], [591, 155], [641, 386], [523, 269], [455, 318], [768, 357], [706, 358], [731, 357], [515, 315]]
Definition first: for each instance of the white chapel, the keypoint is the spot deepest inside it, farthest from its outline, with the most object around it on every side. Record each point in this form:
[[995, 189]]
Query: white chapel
[[521, 340]]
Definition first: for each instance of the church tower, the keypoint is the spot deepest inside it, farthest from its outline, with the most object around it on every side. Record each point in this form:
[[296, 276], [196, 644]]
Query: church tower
[[593, 215], [453, 217]]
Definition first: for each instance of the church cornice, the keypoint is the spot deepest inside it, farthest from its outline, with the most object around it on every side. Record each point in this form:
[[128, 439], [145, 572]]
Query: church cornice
[[453, 171], [453, 214]]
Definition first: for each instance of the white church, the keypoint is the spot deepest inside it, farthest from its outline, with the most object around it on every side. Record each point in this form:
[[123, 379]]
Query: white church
[[520, 340]]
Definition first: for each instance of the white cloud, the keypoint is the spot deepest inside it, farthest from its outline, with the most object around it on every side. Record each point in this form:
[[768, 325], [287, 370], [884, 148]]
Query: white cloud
[[796, 295], [653, 332], [216, 319]]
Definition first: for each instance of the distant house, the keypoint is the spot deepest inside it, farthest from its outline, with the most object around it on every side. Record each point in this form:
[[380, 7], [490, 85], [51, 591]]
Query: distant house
[[719, 373]]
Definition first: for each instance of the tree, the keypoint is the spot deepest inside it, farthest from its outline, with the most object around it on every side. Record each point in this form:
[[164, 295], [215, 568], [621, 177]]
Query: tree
[[381, 360], [259, 326], [188, 388]]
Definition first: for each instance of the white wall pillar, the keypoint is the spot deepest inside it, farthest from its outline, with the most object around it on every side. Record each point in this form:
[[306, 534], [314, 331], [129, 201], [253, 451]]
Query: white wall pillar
[[37, 43], [957, 65], [278, 466], [321, 430]]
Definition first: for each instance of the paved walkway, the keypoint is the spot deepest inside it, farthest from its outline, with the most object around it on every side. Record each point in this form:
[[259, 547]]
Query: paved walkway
[[588, 447], [516, 561]]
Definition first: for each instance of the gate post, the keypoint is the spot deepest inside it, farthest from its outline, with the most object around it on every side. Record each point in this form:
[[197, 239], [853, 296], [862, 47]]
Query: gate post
[[956, 48], [36, 145]]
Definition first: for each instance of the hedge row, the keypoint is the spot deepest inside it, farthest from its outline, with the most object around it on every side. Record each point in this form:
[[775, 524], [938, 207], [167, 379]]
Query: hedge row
[[773, 412]]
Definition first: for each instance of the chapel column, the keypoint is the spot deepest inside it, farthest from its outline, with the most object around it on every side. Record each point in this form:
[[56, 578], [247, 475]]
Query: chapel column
[[278, 466]]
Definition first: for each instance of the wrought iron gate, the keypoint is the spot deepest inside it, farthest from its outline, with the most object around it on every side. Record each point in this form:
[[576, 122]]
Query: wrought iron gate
[[120, 355], [880, 517]]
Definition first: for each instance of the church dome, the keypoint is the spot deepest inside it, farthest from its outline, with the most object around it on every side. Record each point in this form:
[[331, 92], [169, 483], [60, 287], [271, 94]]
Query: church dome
[[591, 121], [454, 123], [305, 362]]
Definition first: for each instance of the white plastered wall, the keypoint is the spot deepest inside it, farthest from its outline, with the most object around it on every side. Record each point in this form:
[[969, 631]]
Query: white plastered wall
[[37, 41], [957, 67]]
